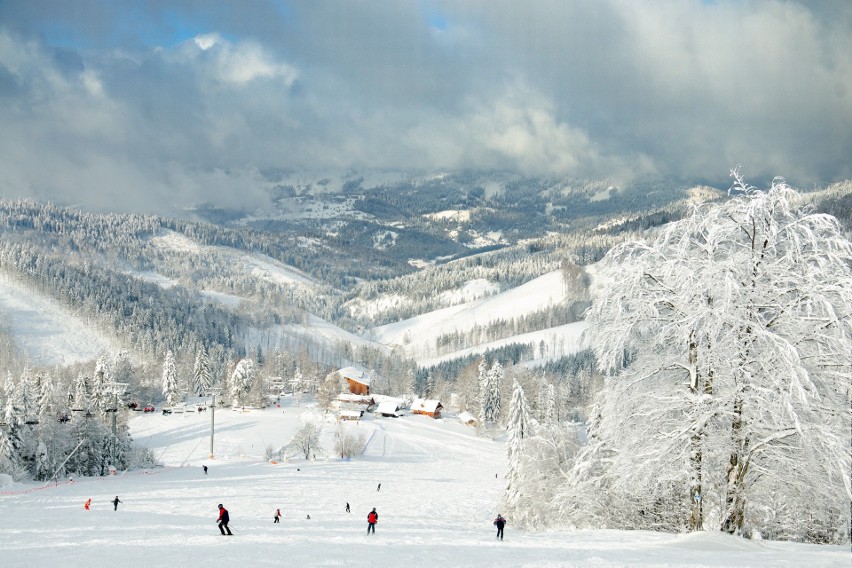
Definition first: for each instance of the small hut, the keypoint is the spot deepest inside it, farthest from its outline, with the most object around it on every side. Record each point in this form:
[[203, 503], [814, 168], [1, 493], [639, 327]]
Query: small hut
[[390, 408], [468, 418]]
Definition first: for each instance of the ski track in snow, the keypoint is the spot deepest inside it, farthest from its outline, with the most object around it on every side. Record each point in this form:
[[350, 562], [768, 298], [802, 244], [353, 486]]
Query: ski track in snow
[[438, 497]]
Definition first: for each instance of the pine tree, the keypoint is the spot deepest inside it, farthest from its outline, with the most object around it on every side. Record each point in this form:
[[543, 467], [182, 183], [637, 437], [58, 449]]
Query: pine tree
[[201, 373], [242, 381], [170, 382], [519, 428], [100, 396], [81, 393]]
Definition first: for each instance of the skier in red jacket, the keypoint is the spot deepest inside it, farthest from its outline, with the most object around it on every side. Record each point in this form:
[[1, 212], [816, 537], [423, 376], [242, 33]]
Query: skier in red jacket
[[372, 519], [223, 520]]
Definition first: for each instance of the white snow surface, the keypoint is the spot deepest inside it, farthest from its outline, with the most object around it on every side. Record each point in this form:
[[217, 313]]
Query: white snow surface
[[417, 336], [50, 333], [437, 501]]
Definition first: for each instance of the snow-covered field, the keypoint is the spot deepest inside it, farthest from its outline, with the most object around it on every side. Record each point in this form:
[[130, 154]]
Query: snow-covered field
[[438, 497]]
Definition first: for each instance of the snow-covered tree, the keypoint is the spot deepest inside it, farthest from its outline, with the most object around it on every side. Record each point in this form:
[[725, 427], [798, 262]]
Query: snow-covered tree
[[307, 439], [201, 373], [81, 392], [171, 394], [348, 442], [490, 384], [46, 402], [100, 395], [519, 428], [727, 340], [296, 382], [242, 381]]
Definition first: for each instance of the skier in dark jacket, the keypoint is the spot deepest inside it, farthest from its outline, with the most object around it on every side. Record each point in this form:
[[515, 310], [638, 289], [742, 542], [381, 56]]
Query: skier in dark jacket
[[277, 518], [224, 519], [499, 522], [115, 503], [372, 519]]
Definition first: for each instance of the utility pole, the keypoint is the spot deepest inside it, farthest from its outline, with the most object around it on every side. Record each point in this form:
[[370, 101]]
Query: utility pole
[[213, 393]]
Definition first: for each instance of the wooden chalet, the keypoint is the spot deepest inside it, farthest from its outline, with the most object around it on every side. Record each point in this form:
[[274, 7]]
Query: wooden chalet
[[358, 381], [428, 407]]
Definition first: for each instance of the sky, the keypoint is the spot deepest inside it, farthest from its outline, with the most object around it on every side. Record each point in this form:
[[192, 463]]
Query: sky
[[144, 106]]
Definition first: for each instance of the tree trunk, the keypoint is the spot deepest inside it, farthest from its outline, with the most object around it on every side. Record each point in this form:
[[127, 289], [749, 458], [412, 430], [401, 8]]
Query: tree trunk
[[696, 507], [735, 499]]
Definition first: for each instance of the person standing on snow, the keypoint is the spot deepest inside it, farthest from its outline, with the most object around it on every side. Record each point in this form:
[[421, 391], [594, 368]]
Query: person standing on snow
[[372, 519], [277, 516], [499, 522], [347, 507], [115, 503], [87, 504], [224, 519], [205, 469]]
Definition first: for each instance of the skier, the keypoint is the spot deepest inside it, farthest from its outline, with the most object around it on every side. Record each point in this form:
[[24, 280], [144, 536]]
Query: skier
[[499, 522], [224, 519], [372, 519], [205, 469], [87, 504], [379, 488], [347, 507], [277, 516], [115, 503]]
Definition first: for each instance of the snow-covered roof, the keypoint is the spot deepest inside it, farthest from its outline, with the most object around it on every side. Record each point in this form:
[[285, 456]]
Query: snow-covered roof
[[349, 414], [360, 399], [353, 374], [389, 406], [467, 417], [425, 405]]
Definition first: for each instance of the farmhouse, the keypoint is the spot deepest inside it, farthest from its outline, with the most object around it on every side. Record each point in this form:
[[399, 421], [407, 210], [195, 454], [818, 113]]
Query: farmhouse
[[428, 407], [357, 380]]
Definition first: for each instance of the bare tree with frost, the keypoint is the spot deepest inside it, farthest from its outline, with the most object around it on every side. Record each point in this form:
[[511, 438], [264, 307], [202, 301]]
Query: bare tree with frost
[[729, 346]]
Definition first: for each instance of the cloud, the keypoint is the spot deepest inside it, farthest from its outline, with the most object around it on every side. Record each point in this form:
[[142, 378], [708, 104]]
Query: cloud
[[155, 105]]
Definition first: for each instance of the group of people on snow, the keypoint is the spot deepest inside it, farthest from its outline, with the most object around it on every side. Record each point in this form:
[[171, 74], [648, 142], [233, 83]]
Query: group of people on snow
[[372, 517]]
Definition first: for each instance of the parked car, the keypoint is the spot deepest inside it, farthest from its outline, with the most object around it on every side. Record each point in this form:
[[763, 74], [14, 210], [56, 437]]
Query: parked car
[[149, 408]]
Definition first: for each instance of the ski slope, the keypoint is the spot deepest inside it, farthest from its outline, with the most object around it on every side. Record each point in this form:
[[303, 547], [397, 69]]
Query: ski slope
[[48, 332], [438, 497]]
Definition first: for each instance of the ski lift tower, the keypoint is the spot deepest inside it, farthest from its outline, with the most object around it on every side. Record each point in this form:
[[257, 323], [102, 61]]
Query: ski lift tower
[[213, 392], [115, 389]]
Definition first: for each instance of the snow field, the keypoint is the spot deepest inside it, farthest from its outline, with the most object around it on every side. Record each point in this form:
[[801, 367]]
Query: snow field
[[436, 504]]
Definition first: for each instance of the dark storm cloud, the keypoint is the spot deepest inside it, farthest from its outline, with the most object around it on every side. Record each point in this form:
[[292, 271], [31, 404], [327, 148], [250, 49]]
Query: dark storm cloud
[[155, 104]]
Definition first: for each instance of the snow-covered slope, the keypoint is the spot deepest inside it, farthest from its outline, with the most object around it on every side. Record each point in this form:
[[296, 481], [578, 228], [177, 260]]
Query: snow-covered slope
[[49, 333], [439, 495], [257, 265], [417, 336]]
